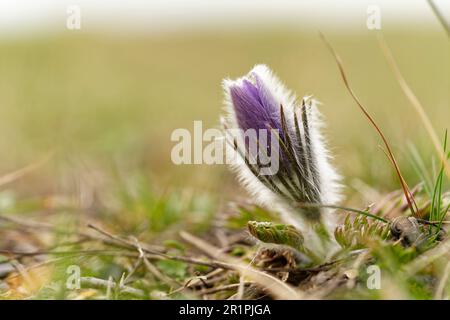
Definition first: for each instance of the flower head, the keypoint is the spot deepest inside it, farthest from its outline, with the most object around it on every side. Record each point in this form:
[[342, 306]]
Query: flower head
[[254, 104], [258, 102]]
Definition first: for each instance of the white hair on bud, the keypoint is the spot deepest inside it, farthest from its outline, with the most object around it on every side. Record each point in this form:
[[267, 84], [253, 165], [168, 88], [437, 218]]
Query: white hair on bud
[[329, 185]]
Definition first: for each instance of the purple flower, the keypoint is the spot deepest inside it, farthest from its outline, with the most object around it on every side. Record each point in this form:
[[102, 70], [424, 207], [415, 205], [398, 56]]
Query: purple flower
[[258, 101], [255, 106]]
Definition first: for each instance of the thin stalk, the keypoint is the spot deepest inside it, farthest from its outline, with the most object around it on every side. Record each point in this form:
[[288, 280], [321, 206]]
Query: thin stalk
[[409, 198], [365, 213]]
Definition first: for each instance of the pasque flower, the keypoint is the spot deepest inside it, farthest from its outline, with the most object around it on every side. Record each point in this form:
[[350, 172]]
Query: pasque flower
[[305, 178]]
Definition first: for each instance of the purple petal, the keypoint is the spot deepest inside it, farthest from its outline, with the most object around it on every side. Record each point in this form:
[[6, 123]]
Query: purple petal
[[256, 108]]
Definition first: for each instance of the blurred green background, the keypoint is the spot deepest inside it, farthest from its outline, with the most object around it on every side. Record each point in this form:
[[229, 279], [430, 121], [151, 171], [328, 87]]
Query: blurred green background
[[106, 102]]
